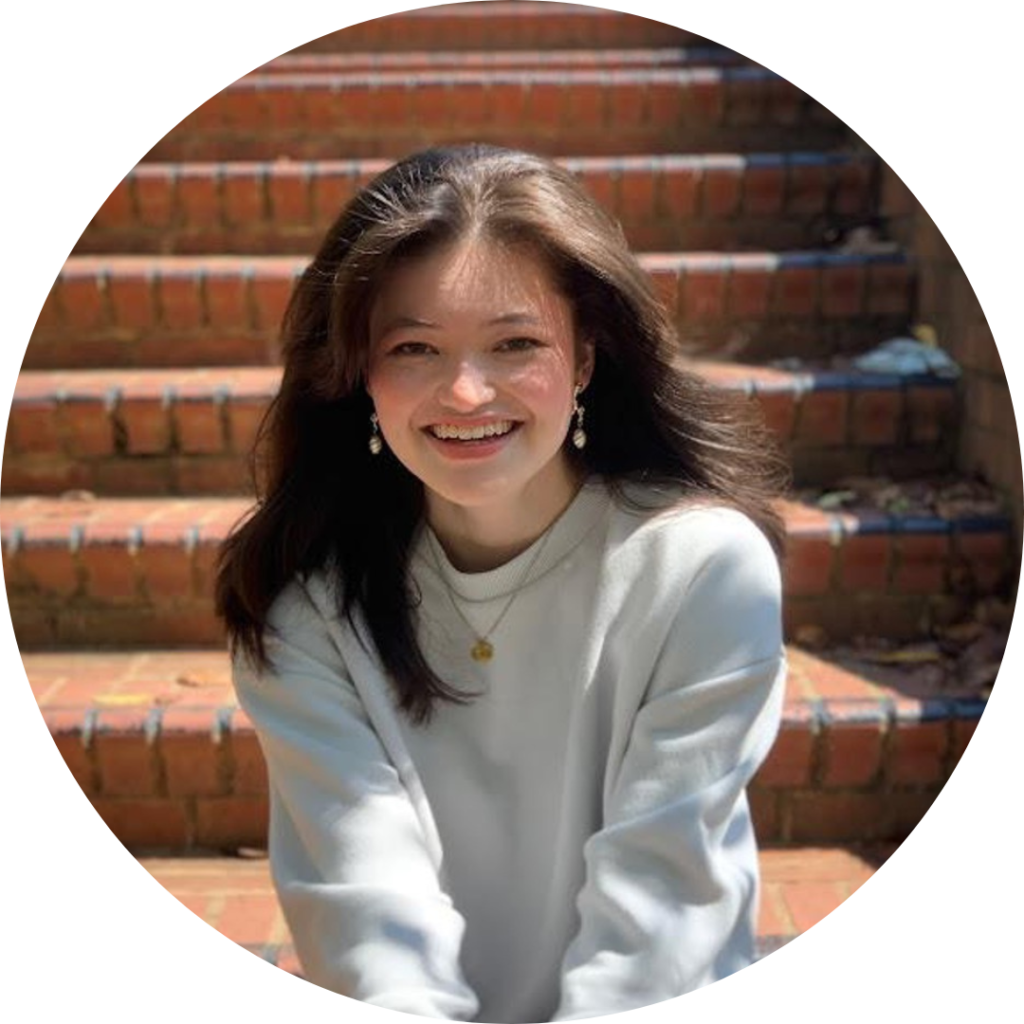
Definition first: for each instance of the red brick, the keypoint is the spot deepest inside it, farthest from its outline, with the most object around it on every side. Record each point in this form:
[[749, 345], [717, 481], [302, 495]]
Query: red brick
[[141, 824], [808, 565], [285, 110], [199, 198], [706, 99], [679, 191], [842, 290], [244, 199], [117, 210], [430, 104], [785, 101], [110, 571], [853, 189], [154, 197], [864, 562], [192, 754], [888, 289], [904, 810], [749, 292], [921, 563], [917, 752], [932, 414], [584, 105], [227, 301], [791, 758], [875, 416], [131, 301], [147, 425], [636, 195], [963, 733], [796, 291], [826, 817], [665, 104], [250, 768], [545, 104], [123, 753], [779, 411], [763, 190], [181, 301], [270, 299], [289, 190], [764, 811], [806, 188], [721, 191], [198, 425], [704, 293], [627, 106], [822, 417], [853, 749], [67, 727], [88, 428], [83, 301], [32, 427], [244, 419], [231, 822], [52, 567], [166, 570], [331, 192], [49, 319], [666, 282]]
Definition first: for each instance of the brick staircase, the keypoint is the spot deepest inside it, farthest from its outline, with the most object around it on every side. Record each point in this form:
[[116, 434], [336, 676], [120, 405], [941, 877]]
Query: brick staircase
[[155, 356]]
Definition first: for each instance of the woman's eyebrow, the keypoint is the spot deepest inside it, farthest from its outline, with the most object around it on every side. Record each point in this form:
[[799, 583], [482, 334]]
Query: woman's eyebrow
[[514, 318], [398, 322]]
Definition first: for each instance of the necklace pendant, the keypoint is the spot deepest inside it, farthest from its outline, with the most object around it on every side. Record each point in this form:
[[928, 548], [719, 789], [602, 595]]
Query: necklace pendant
[[482, 650]]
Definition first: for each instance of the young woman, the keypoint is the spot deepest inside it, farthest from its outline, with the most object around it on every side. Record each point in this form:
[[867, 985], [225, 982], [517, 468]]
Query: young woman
[[507, 614]]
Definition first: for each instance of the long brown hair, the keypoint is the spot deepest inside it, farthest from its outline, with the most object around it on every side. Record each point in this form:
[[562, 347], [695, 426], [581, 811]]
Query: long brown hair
[[325, 503]]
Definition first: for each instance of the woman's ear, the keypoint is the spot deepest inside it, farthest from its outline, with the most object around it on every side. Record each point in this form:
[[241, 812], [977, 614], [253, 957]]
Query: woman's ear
[[584, 362]]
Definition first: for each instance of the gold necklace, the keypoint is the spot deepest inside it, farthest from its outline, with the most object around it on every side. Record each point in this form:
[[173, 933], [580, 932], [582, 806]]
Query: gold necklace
[[483, 649]]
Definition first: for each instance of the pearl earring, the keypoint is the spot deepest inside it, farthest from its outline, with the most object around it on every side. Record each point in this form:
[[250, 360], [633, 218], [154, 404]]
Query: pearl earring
[[579, 437], [376, 444]]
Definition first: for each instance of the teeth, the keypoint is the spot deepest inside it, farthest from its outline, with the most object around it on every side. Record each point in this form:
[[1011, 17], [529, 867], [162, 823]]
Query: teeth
[[447, 432]]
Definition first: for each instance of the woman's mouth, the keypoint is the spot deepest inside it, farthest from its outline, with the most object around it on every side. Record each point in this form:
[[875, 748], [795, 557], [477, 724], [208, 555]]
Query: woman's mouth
[[471, 434]]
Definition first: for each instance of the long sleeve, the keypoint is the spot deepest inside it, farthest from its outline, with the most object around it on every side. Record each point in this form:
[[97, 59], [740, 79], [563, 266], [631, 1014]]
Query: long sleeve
[[669, 899], [354, 872]]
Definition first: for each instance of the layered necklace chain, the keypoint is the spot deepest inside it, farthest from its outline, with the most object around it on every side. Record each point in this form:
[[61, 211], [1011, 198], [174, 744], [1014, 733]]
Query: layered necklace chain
[[483, 649]]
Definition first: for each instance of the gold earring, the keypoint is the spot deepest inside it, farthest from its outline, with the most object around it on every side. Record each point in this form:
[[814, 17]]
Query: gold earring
[[376, 444], [579, 436]]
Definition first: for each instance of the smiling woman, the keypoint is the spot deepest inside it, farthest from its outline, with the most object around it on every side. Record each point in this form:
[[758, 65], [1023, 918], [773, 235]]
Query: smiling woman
[[507, 614]]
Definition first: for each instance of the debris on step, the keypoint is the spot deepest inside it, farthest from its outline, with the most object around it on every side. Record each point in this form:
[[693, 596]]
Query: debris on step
[[917, 355], [948, 497], [961, 659]]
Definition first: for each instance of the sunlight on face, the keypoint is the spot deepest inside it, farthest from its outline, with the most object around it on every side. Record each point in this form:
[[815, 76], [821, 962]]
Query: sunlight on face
[[473, 361]]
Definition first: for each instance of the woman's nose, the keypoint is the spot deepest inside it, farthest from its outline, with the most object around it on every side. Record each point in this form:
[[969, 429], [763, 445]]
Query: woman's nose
[[467, 388]]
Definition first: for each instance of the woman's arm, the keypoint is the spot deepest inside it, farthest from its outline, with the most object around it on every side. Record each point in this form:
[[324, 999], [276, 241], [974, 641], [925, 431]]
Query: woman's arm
[[353, 872], [669, 901]]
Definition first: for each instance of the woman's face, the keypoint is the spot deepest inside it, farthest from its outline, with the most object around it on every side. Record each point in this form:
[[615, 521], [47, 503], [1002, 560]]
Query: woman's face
[[473, 361]]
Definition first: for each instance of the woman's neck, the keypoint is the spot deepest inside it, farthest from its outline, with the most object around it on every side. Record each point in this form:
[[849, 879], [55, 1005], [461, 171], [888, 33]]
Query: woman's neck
[[479, 538]]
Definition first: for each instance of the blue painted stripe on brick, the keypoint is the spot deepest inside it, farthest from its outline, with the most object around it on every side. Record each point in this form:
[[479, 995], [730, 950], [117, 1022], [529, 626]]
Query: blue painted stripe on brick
[[930, 709], [871, 524], [765, 160], [983, 524], [921, 524], [880, 381], [813, 159], [968, 709], [748, 74], [800, 259]]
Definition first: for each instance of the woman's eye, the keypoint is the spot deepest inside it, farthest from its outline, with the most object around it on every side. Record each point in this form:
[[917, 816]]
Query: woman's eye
[[519, 344], [410, 348]]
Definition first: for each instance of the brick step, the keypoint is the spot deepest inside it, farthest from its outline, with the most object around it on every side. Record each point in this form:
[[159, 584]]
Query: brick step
[[435, 60], [190, 431], [705, 201], [519, 25], [149, 311], [235, 894], [107, 572], [374, 114], [157, 742]]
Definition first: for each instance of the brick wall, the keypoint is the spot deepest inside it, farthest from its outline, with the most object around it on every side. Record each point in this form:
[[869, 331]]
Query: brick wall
[[989, 444]]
